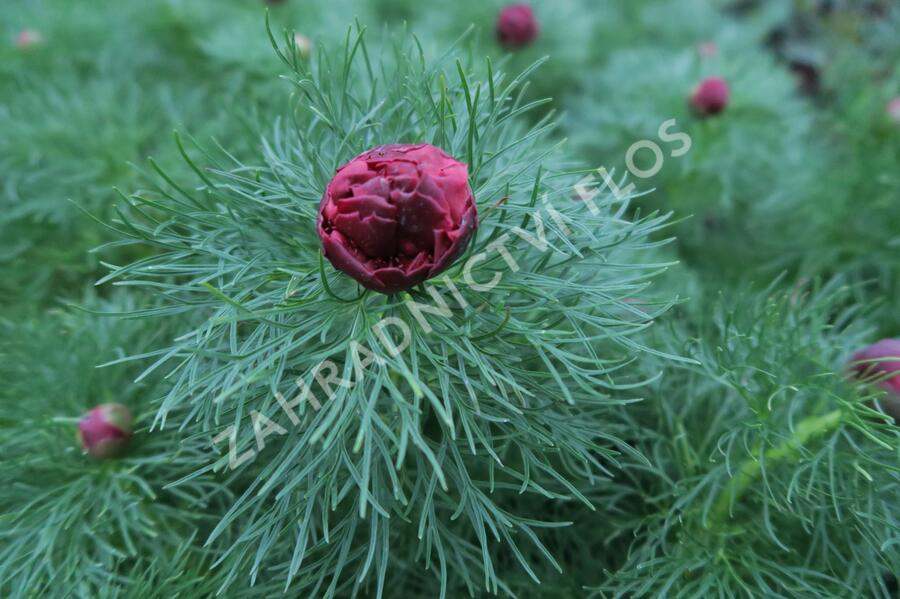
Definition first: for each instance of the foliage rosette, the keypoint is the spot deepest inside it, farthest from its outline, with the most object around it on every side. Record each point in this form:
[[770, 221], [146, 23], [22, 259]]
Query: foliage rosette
[[769, 471], [721, 182], [72, 525], [360, 421]]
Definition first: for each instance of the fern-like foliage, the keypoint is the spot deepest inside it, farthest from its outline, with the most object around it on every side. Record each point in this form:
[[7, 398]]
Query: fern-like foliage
[[413, 464], [71, 525], [772, 475]]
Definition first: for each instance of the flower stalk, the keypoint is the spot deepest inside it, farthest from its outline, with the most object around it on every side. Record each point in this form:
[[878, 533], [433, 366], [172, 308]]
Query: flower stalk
[[808, 429]]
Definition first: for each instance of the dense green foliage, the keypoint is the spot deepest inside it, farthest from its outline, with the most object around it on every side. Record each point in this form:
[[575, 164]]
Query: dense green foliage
[[652, 401]]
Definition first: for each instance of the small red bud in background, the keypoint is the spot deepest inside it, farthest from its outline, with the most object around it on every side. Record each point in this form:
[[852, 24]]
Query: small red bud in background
[[516, 26], [304, 45], [708, 49], [28, 38], [104, 431], [711, 96], [881, 362], [893, 109], [877, 361]]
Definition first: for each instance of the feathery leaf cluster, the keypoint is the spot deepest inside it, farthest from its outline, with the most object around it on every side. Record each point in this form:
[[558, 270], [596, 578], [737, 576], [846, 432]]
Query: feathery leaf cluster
[[503, 393]]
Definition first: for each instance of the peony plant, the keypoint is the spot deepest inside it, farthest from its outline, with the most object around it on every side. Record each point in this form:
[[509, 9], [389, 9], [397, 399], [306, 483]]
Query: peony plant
[[399, 405]]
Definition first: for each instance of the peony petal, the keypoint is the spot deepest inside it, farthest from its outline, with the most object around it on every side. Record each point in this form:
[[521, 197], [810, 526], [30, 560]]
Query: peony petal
[[366, 205], [394, 279], [375, 236], [343, 259]]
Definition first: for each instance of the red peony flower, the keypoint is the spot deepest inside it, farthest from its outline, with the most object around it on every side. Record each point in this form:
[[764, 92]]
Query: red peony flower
[[881, 362], [105, 430], [878, 361], [516, 26], [397, 215], [711, 96]]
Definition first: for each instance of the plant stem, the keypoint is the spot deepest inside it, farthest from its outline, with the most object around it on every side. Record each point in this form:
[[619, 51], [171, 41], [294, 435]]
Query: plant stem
[[750, 470]]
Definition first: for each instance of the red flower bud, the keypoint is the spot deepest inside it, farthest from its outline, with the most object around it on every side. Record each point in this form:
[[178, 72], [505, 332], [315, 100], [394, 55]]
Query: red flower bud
[[105, 430], [397, 215], [516, 26], [711, 96], [893, 109], [304, 45], [878, 361], [708, 49], [881, 362], [28, 38]]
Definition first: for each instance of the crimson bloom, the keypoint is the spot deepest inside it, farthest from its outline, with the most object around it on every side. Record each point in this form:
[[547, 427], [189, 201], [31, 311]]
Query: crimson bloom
[[516, 26], [880, 361], [711, 96], [105, 430], [397, 215]]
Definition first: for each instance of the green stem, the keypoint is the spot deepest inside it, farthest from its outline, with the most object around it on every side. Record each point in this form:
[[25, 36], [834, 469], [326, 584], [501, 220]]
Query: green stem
[[750, 470]]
